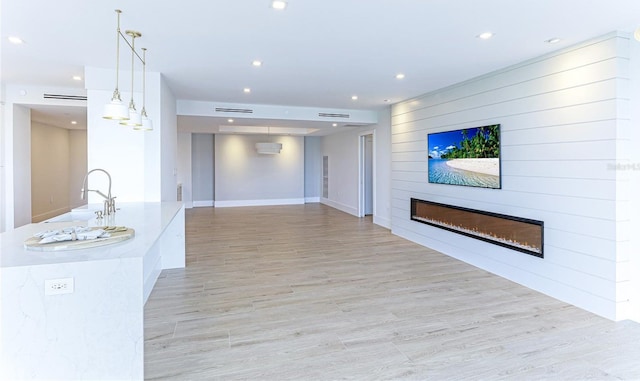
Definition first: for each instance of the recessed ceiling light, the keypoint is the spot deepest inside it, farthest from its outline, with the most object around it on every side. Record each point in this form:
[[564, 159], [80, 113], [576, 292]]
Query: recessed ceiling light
[[257, 63], [399, 76], [335, 125], [276, 4], [247, 90], [230, 120], [77, 78], [485, 35], [354, 97], [554, 40], [15, 40], [74, 122]]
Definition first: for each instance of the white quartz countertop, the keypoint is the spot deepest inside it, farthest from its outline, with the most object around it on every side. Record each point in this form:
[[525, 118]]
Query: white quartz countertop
[[147, 219]]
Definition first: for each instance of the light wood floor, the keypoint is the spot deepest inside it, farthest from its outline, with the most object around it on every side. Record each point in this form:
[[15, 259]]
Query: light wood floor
[[311, 293]]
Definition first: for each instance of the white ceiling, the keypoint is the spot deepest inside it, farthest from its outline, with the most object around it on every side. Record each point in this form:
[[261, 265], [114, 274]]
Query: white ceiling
[[315, 53]]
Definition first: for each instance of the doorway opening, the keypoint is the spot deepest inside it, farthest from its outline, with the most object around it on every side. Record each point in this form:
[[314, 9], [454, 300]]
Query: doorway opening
[[366, 188]]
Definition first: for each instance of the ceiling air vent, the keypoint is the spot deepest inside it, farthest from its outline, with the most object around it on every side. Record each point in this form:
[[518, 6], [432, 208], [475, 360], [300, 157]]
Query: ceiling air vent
[[236, 110], [67, 97], [329, 115]]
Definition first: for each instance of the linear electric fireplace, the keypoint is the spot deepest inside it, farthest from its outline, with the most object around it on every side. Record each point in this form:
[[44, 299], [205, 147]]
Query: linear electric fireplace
[[521, 234]]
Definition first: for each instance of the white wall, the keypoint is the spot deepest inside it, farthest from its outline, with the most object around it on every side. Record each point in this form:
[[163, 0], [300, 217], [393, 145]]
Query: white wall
[[244, 177], [16, 144], [187, 107], [342, 150], [77, 166], [168, 143], [202, 169], [195, 168], [3, 180], [563, 118], [629, 241], [58, 166], [184, 168], [382, 202], [21, 193], [50, 159], [117, 149], [142, 164], [312, 168]]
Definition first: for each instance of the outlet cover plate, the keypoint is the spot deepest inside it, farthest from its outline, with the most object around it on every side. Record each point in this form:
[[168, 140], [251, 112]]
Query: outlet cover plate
[[58, 286]]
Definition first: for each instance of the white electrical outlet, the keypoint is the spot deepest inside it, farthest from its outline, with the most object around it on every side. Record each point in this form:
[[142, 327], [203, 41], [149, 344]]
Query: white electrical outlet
[[58, 286]]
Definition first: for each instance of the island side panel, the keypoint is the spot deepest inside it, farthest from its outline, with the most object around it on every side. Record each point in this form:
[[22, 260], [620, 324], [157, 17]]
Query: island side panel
[[172, 243], [96, 332]]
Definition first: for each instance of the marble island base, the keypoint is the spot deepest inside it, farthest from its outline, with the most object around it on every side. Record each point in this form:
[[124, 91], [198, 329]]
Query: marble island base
[[93, 329]]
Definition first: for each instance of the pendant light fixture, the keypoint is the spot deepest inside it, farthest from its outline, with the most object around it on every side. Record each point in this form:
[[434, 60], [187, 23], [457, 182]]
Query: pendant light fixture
[[135, 119], [116, 109], [147, 125]]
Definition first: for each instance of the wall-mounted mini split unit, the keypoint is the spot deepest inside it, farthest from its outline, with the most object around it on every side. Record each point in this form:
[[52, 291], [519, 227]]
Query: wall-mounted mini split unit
[[268, 148]]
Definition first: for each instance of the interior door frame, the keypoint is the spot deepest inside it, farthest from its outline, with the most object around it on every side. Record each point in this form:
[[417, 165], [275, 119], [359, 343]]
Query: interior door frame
[[362, 141]]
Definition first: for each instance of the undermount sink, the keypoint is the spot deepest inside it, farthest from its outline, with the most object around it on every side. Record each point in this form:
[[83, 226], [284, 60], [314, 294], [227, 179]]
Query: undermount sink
[[73, 216]]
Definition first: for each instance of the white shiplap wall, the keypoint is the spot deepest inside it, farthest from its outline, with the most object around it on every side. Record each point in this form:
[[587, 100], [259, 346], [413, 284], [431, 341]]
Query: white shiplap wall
[[561, 116]]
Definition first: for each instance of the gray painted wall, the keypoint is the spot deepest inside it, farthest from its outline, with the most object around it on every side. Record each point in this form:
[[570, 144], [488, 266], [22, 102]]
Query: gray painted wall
[[242, 174], [202, 167]]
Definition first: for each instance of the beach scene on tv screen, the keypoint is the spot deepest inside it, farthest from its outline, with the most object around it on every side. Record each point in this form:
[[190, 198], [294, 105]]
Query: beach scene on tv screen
[[469, 156]]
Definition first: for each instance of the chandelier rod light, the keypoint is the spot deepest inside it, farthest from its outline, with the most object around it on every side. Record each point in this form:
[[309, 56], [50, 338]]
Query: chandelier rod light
[[144, 72], [147, 125], [116, 109], [135, 119]]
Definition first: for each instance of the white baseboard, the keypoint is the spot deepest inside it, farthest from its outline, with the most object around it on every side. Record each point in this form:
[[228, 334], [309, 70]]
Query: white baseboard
[[311, 200], [384, 222], [50, 214], [339, 206], [198, 204], [268, 202]]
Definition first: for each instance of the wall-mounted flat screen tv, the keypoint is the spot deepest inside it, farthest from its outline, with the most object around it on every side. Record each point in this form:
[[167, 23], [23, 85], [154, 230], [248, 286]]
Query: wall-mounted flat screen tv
[[468, 156]]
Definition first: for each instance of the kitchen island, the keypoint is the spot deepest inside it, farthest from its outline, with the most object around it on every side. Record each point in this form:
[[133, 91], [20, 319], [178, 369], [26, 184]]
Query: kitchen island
[[89, 324]]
